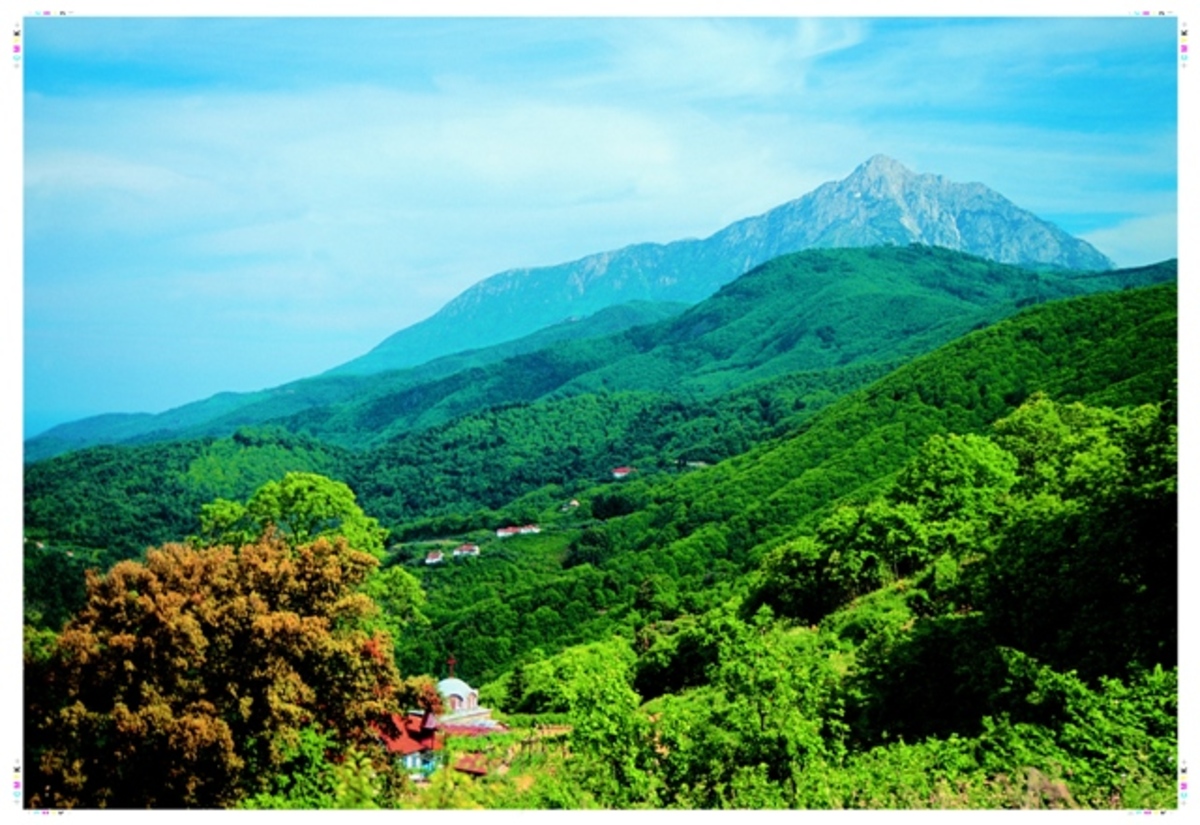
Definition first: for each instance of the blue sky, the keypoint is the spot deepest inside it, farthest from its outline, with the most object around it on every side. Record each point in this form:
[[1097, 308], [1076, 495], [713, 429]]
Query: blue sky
[[229, 204]]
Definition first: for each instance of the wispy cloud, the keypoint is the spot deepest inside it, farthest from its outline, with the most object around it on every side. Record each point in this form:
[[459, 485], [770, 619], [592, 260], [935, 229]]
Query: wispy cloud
[[1138, 241], [722, 59]]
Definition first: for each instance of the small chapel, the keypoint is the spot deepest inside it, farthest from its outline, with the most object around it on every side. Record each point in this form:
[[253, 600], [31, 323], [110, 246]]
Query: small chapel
[[461, 709], [420, 736]]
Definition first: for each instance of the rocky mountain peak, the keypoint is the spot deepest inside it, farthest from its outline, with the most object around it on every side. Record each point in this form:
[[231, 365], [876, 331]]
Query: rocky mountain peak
[[881, 202], [880, 167], [880, 177]]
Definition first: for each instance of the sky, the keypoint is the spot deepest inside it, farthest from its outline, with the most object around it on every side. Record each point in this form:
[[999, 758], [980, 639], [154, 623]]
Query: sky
[[217, 204]]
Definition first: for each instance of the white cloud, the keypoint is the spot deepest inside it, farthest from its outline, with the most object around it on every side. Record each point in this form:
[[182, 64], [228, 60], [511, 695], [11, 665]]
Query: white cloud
[[706, 59], [72, 170], [397, 182], [1138, 241]]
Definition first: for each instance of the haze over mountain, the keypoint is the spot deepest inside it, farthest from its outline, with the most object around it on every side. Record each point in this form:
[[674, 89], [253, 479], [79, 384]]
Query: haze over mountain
[[224, 412], [881, 202], [814, 310]]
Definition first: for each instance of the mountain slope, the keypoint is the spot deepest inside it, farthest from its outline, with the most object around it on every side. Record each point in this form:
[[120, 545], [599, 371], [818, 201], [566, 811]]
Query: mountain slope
[[881, 202], [1119, 348], [809, 311], [224, 413], [123, 499], [694, 538]]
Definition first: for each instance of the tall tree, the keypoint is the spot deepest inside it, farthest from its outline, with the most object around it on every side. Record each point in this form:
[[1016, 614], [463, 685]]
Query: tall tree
[[1091, 552], [301, 507], [609, 735], [185, 680]]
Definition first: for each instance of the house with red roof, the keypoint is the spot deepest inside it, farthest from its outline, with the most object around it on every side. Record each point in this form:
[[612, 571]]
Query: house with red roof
[[415, 742], [622, 472], [435, 557], [419, 735], [466, 550], [505, 532]]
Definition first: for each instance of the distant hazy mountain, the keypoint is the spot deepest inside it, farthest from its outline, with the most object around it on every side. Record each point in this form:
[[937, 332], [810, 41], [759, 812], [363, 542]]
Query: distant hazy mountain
[[223, 413], [881, 202]]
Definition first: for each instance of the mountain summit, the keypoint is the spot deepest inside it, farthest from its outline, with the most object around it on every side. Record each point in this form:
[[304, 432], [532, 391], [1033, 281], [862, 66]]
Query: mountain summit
[[881, 202]]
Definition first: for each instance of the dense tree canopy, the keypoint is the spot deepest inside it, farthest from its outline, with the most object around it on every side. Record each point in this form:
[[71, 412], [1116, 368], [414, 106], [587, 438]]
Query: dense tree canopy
[[184, 678], [952, 588], [301, 507], [1063, 523]]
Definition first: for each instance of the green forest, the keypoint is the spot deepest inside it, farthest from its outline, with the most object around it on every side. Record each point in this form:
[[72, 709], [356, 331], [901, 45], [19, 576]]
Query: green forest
[[898, 530]]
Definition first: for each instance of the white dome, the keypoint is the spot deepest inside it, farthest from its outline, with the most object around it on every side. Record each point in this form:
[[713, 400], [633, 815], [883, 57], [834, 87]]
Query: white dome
[[454, 687]]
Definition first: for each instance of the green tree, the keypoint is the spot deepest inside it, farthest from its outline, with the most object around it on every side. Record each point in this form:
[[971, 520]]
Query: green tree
[[1091, 549], [399, 597], [609, 735], [959, 485], [224, 522], [301, 507], [309, 779], [762, 734], [872, 545], [792, 582], [1068, 449]]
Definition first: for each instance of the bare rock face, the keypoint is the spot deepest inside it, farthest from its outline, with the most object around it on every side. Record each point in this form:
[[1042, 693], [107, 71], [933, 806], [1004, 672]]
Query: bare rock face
[[881, 202]]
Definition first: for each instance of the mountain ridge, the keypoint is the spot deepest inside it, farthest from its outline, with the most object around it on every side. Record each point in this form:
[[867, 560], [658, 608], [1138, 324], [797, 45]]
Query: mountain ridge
[[880, 202], [812, 310]]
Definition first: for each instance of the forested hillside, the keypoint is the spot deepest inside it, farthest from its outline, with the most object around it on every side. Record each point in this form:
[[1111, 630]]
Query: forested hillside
[[686, 541], [226, 412], [809, 311], [862, 566], [760, 356]]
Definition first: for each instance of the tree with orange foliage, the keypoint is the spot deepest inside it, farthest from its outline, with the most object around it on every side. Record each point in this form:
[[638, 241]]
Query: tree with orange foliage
[[186, 679]]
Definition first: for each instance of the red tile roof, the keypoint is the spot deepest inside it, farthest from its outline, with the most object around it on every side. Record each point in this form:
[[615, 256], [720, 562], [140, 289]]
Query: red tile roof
[[417, 732], [472, 763]]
